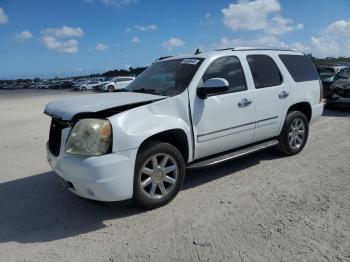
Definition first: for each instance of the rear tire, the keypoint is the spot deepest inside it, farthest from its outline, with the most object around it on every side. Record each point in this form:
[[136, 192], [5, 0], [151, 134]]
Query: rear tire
[[159, 174], [294, 133]]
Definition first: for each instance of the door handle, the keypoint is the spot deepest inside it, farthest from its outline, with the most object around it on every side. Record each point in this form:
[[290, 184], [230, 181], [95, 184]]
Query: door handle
[[283, 94], [244, 102]]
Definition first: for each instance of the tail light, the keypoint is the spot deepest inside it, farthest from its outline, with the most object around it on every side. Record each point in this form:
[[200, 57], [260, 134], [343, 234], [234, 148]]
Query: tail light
[[321, 90]]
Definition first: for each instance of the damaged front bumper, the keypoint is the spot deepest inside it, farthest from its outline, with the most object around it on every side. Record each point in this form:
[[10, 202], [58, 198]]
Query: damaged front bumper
[[103, 178]]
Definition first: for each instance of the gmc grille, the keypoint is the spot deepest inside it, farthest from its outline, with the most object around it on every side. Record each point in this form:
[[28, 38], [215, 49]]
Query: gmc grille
[[55, 135]]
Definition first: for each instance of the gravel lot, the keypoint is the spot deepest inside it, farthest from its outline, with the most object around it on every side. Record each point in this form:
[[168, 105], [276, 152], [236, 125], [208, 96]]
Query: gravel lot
[[265, 207]]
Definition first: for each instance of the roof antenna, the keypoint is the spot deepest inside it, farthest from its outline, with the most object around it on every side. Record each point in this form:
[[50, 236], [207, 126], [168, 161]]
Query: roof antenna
[[197, 52]]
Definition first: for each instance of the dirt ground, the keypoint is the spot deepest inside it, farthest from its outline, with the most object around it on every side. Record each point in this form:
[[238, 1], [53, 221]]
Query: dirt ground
[[264, 207]]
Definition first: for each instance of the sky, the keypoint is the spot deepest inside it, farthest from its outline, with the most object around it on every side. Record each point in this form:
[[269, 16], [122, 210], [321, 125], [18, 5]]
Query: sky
[[48, 38]]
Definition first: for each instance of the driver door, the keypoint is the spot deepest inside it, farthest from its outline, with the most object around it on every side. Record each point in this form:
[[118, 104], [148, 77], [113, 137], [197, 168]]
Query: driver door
[[226, 120]]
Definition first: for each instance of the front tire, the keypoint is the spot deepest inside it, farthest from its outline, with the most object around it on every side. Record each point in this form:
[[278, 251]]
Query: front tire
[[294, 133], [110, 89], [159, 174]]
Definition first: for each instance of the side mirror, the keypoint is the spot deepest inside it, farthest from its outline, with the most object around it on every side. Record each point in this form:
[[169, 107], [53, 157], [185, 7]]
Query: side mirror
[[212, 86]]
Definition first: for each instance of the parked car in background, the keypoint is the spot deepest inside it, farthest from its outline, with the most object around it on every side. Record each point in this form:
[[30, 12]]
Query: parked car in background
[[336, 68], [341, 87], [65, 84], [116, 84], [41, 86], [327, 77], [182, 112], [88, 85], [78, 83]]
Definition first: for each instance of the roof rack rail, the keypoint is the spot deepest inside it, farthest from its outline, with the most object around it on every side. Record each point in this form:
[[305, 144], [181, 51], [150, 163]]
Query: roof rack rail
[[163, 57], [256, 48]]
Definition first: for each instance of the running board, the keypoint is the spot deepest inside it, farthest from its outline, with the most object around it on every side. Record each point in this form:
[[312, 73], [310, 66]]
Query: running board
[[233, 154]]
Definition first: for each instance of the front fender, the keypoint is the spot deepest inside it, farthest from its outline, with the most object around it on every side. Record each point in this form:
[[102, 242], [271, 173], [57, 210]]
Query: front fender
[[132, 127]]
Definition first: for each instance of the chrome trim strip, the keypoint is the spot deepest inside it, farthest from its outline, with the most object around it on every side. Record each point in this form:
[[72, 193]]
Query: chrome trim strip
[[234, 127]]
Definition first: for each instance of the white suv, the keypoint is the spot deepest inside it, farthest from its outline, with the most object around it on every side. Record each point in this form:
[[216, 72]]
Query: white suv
[[116, 84], [182, 112]]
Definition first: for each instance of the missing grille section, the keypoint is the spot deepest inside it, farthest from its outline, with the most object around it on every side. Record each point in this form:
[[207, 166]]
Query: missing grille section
[[56, 135]]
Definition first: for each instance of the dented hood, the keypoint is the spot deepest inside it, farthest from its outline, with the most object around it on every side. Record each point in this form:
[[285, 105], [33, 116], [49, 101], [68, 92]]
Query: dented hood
[[67, 108]]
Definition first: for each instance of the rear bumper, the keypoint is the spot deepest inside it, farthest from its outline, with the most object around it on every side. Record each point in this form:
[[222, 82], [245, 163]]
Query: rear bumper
[[317, 111], [104, 178]]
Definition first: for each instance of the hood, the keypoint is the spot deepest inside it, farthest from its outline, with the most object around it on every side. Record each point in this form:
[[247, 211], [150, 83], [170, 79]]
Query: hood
[[67, 108]]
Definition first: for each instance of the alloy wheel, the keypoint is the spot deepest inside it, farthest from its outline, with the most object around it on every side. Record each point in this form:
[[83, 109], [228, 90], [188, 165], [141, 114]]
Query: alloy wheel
[[158, 176], [296, 134]]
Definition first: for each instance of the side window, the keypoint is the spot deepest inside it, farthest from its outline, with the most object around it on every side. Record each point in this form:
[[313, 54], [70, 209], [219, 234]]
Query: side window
[[264, 70], [300, 67], [230, 69]]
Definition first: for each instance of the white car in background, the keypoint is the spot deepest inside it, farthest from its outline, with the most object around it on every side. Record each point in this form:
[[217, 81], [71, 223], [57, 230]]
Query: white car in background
[[88, 85], [117, 83]]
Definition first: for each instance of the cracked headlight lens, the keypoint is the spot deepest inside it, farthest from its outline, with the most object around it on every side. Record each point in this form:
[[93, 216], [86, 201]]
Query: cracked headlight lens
[[91, 137]]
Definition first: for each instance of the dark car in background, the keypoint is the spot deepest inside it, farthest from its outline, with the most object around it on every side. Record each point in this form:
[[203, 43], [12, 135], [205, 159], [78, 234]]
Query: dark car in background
[[327, 77], [341, 86], [66, 84]]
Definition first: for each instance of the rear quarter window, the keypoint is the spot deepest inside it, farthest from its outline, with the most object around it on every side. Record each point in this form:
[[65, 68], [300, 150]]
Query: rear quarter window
[[300, 67]]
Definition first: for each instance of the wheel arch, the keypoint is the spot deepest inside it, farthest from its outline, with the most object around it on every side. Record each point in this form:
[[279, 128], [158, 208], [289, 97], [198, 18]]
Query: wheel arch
[[176, 137], [303, 107]]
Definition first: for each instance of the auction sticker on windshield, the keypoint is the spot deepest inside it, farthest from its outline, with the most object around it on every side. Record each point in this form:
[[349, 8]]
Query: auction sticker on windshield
[[190, 61]]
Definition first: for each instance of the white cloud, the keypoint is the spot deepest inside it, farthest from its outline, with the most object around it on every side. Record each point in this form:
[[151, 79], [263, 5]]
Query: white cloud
[[260, 41], [114, 3], [53, 39], [23, 36], [249, 15], [145, 28], [101, 47], [334, 41], [258, 15], [279, 26], [128, 29], [3, 17], [172, 43], [69, 46], [339, 28], [135, 40], [65, 31]]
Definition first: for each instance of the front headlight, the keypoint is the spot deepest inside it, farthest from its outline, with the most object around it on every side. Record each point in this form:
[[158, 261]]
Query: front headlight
[[91, 137]]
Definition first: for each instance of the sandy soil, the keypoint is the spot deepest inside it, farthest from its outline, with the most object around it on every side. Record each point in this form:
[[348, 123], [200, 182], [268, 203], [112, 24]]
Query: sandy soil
[[265, 207]]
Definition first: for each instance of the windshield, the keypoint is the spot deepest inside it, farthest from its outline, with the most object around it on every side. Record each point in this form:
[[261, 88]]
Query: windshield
[[166, 78]]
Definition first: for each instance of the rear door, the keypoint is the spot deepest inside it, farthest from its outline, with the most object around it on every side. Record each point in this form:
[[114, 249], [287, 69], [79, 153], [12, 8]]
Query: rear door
[[226, 120], [272, 95]]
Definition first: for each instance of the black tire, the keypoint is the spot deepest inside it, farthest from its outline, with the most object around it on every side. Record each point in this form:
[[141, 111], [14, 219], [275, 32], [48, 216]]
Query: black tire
[[145, 154], [83, 89], [110, 89], [285, 145]]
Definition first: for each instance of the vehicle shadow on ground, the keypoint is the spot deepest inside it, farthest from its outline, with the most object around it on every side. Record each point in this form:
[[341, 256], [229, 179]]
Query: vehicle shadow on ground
[[197, 177], [39, 209]]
